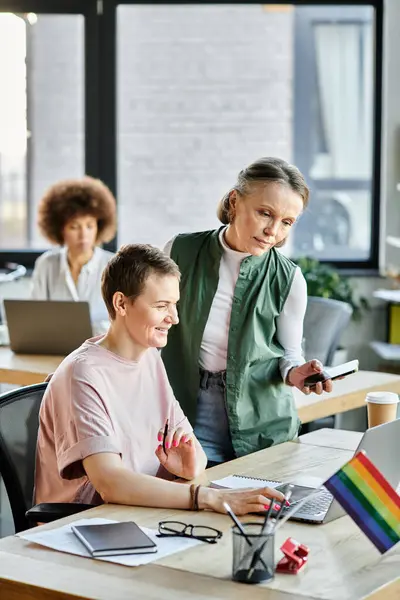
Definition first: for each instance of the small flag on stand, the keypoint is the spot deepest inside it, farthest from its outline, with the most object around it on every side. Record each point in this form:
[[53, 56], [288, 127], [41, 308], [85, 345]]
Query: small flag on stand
[[369, 499]]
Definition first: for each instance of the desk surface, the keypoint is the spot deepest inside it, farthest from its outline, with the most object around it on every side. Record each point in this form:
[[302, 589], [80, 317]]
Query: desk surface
[[347, 394], [23, 369], [332, 438], [343, 563]]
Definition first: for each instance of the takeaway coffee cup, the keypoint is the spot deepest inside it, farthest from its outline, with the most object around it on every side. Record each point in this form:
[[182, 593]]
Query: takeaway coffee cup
[[382, 407]]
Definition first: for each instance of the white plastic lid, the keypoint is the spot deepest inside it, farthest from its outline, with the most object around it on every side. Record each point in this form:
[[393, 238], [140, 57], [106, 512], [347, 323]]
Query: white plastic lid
[[382, 398]]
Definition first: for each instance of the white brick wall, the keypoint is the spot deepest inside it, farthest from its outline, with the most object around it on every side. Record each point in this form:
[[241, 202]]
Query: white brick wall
[[202, 91]]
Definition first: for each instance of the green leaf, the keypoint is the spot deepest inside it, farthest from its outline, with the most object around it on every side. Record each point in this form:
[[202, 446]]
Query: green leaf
[[325, 281]]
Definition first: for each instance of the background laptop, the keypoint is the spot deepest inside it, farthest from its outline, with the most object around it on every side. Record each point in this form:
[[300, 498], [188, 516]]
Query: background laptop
[[382, 445], [47, 326]]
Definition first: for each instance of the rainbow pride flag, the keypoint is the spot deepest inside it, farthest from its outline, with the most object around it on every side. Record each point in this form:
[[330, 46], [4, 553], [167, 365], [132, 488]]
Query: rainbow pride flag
[[369, 499]]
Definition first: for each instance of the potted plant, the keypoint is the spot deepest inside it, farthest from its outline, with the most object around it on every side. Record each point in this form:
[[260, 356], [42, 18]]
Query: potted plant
[[325, 281]]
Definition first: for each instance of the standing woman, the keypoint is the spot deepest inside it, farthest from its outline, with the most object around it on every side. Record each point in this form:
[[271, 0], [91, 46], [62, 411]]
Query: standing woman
[[78, 215], [237, 349]]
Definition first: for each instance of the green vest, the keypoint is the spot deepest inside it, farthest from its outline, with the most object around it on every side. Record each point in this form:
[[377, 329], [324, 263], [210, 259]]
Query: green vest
[[260, 407]]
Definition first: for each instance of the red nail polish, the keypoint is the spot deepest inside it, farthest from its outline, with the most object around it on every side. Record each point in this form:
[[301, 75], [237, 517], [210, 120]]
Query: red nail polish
[[168, 445], [175, 443], [276, 506], [287, 502], [266, 506], [159, 437]]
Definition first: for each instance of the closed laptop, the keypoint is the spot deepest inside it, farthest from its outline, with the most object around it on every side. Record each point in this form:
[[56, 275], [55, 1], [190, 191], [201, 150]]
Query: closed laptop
[[47, 326]]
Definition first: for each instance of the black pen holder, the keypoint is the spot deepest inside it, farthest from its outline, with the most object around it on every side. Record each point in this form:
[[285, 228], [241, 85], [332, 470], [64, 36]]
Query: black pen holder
[[253, 558]]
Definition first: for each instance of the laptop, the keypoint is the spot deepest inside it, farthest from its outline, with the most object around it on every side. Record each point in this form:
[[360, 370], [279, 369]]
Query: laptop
[[47, 326], [382, 446]]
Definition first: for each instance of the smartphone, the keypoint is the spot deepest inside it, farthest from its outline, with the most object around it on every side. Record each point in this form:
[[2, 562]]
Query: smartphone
[[332, 373]]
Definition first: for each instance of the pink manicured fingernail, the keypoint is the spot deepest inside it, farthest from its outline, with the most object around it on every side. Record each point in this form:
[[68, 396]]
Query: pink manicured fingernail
[[175, 443], [266, 506], [276, 506], [185, 439], [167, 445], [159, 447], [287, 502], [159, 437]]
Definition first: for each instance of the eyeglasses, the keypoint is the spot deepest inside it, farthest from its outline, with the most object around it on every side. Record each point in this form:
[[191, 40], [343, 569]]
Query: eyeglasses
[[197, 532]]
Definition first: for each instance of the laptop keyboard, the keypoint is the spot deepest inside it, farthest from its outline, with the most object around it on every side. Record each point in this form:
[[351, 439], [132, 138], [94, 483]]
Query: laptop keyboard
[[318, 504]]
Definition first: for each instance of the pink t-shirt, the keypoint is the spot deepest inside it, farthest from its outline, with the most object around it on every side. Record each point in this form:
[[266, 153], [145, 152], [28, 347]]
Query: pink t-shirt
[[96, 402]]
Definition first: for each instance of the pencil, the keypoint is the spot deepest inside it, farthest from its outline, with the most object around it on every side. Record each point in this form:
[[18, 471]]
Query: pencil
[[165, 435], [240, 527], [265, 528]]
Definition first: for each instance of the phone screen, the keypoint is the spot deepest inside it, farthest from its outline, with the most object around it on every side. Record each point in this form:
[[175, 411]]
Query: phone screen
[[345, 369]]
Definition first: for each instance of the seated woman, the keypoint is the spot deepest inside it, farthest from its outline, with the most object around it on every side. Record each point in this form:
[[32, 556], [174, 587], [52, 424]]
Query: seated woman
[[103, 414], [78, 215]]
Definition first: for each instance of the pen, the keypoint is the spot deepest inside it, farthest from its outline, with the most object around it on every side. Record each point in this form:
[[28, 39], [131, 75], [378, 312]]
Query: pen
[[237, 522], [287, 493], [267, 516], [165, 435], [257, 554], [240, 527]]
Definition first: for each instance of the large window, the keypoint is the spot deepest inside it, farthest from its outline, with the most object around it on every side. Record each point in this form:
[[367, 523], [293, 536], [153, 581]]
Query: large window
[[334, 130], [166, 102], [41, 116]]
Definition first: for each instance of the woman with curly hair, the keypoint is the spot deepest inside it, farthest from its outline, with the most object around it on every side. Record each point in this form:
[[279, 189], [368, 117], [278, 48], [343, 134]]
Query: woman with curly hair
[[78, 215]]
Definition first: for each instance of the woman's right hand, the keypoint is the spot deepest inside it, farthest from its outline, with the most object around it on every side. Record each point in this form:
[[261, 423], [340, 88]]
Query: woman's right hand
[[241, 502]]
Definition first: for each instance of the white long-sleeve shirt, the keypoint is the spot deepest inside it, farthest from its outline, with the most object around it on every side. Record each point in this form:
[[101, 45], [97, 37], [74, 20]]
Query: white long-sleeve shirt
[[52, 280], [289, 324]]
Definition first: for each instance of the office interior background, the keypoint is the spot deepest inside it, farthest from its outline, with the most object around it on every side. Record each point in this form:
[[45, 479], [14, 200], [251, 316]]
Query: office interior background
[[166, 102]]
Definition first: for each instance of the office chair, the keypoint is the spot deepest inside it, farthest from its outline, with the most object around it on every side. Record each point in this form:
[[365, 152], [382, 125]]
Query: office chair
[[19, 422], [324, 322]]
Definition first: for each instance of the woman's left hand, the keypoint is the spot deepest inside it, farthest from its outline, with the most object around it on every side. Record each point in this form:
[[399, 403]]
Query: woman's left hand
[[297, 375], [179, 457]]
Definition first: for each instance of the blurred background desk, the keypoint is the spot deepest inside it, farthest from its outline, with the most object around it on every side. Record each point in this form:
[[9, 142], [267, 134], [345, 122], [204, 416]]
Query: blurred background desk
[[25, 369], [347, 394]]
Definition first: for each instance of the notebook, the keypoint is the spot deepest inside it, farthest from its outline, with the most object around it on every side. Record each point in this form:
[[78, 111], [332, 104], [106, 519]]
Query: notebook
[[237, 482], [114, 538]]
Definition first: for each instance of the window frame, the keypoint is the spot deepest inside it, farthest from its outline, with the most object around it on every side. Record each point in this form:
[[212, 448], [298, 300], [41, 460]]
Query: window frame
[[96, 100], [100, 101], [304, 79]]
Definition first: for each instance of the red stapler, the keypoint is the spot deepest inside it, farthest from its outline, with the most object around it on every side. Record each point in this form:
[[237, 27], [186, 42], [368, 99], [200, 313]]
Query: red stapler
[[296, 556]]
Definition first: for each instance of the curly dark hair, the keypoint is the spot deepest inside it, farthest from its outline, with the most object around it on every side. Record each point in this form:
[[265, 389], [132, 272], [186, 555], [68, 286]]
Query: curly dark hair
[[71, 198]]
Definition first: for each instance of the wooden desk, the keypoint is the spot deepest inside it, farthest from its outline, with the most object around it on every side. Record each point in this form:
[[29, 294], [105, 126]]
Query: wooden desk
[[332, 438], [343, 563], [25, 369], [347, 394]]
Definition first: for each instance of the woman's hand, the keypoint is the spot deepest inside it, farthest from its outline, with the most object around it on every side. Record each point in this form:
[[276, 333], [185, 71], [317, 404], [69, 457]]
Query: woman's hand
[[241, 502], [297, 375], [179, 457]]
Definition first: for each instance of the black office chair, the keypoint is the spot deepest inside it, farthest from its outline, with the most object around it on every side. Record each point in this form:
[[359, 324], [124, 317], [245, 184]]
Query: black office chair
[[19, 422]]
